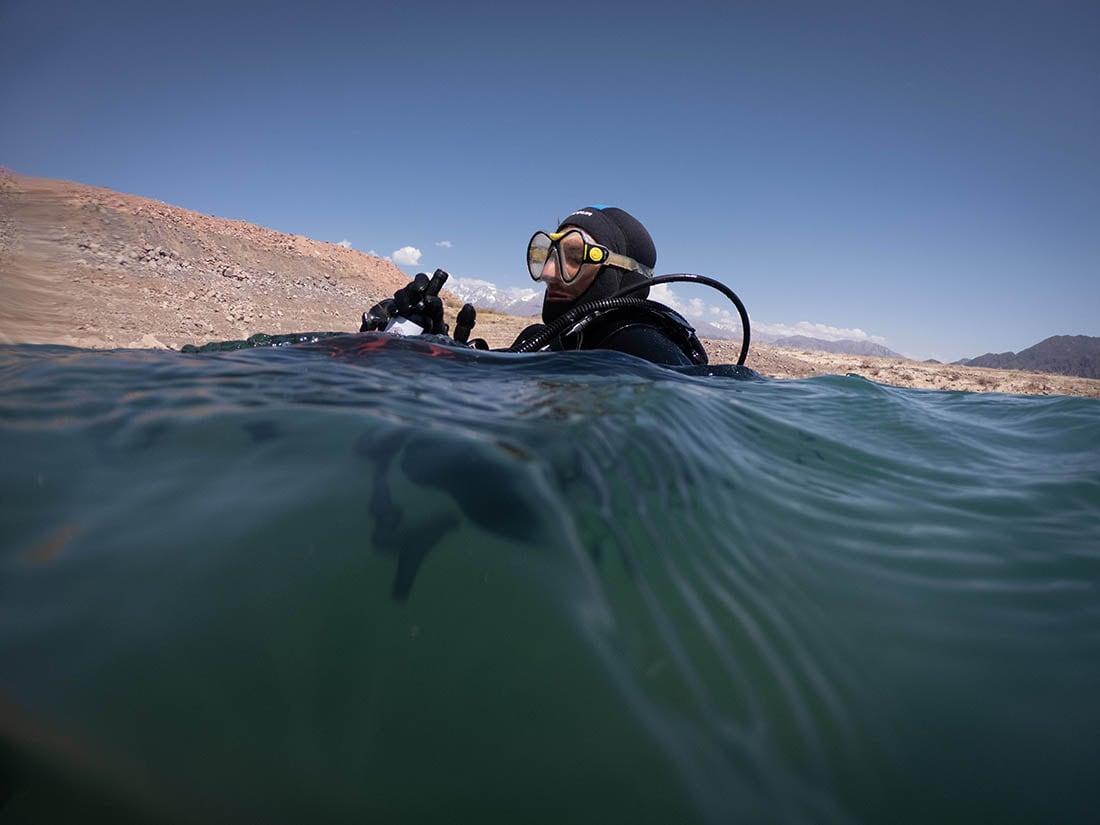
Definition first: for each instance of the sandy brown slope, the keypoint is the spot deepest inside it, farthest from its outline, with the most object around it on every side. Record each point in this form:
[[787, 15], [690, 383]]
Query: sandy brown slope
[[91, 267], [94, 268]]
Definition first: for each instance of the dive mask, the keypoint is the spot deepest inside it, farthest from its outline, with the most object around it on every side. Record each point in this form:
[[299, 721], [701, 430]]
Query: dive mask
[[572, 251]]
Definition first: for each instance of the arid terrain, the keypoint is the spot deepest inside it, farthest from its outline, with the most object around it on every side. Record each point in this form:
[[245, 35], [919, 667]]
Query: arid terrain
[[89, 267]]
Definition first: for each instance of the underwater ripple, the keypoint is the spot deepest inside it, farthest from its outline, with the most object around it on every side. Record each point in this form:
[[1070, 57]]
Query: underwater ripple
[[345, 580]]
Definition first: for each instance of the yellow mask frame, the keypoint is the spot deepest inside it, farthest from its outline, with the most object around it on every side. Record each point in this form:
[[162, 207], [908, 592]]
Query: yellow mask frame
[[539, 250]]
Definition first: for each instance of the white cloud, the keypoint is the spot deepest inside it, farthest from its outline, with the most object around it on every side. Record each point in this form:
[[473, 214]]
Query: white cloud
[[696, 310], [376, 255], [664, 294], [345, 243], [824, 332], [444, 244], [693, 308], [407, 256]]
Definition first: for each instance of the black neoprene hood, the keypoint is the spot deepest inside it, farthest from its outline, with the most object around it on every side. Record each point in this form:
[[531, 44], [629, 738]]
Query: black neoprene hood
[[616, 229]]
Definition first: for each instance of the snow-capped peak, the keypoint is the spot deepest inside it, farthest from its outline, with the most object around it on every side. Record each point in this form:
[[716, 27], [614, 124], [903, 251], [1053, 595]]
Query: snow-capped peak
[[486, 295]]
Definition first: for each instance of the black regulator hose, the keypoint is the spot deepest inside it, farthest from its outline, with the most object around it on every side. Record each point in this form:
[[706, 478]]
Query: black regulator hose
[[563, 322], [619, 299]]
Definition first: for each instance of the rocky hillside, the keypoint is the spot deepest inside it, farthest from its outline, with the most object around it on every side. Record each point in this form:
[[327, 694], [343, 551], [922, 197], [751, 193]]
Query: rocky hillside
[[76, 259], [1060, 354], [89, 267]]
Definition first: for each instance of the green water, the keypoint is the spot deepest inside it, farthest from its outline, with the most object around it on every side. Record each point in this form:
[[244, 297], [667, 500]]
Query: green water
[[336, 584]]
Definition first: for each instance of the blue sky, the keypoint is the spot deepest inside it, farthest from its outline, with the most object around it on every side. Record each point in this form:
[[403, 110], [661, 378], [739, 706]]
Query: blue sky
[[926, 175]]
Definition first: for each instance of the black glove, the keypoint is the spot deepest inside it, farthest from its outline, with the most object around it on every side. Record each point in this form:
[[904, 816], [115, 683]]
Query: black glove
[[378, 316], [464, 323], [418, 302]]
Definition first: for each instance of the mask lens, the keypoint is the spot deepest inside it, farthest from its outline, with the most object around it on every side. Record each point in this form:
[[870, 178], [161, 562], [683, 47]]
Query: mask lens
[[538, 250], [572, 255]]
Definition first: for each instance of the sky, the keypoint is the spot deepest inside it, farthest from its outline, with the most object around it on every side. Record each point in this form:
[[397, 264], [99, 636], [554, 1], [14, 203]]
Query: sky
[[924, 175]]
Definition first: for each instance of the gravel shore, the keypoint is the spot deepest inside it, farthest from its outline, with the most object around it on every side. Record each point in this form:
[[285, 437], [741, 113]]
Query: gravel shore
[[88, 267]]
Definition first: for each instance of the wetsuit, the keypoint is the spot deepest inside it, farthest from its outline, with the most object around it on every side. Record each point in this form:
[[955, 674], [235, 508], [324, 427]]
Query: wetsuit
[[645, 329]]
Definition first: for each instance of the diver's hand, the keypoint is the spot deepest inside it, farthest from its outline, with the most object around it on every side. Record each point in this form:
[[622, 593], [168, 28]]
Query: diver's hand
[[378, 316], [418, 303], [464, 323]]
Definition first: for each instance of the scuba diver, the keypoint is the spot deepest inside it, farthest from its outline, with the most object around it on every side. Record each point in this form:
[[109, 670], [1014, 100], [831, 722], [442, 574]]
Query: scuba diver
[[594, 253], [597, 267]]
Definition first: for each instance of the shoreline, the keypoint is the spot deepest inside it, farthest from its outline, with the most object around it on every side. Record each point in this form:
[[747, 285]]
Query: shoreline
[[93, 268]]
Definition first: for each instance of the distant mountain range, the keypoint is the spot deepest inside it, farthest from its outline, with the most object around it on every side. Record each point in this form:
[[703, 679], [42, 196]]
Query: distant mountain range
[[484, 295], [527, 301], [1061, 354], [524, 302], [846, 346], [728, 332]]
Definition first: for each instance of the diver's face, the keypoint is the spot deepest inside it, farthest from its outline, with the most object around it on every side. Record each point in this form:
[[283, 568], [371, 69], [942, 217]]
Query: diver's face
[[559, 290]]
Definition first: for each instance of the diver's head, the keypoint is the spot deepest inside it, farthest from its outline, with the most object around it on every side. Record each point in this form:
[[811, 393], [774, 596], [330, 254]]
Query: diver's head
[[595, 252]]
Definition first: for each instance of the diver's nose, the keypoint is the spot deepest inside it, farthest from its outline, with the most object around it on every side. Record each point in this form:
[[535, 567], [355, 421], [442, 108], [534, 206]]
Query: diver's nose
[[550, 268]]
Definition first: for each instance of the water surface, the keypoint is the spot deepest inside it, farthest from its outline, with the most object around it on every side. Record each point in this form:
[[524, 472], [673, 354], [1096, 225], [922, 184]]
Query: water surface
[[351, 582]]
